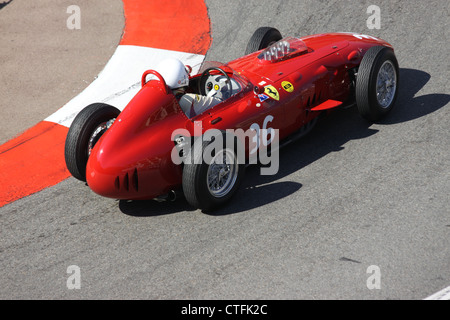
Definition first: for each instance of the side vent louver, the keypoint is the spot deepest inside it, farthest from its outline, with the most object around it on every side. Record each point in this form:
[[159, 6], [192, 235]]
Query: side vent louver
[[135, 181], [125, 182], [128, 180]]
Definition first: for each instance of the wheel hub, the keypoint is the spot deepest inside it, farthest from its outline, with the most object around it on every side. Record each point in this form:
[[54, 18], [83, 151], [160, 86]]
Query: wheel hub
[[222, 173], [386, 84]]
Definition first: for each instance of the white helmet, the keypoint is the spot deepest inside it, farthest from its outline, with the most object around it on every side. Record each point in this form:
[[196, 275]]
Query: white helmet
[[174, 73]]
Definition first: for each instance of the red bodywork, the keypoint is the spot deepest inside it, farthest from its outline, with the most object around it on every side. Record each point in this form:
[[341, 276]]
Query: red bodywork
[[132, 160]]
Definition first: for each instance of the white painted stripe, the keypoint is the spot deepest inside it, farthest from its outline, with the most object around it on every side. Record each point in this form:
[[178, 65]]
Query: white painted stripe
[[444, 294], [120, 80]]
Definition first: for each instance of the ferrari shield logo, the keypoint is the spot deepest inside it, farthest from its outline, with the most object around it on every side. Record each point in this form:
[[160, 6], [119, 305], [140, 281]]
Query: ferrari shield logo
[[272, 92]]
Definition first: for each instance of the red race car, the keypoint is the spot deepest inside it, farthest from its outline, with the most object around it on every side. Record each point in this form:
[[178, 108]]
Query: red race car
[[157, 145]]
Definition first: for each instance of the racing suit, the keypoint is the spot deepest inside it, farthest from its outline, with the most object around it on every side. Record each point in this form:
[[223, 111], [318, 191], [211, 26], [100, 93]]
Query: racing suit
[[194, 104]]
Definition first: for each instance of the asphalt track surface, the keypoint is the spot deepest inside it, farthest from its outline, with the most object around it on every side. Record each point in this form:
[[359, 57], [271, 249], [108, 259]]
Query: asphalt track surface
[[43, 63], [349, 196]]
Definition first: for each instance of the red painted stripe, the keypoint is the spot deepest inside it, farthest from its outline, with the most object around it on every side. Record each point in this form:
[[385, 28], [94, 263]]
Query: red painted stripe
[[177, 25], [32, 161], [35, 160]]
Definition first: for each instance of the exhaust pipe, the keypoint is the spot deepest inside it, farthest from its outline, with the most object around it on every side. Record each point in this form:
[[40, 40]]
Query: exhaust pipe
[[171, 196]]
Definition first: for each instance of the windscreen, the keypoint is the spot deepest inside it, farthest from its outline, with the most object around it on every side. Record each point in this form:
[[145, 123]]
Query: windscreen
[[283, 49]]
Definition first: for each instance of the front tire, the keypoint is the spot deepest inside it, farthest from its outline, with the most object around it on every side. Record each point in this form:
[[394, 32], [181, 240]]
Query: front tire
[[377, 83], [209, 185], [86, 129]]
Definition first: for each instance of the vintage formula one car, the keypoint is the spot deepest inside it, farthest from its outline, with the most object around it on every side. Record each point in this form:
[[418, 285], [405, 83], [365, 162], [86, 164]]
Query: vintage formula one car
[[277, 90]]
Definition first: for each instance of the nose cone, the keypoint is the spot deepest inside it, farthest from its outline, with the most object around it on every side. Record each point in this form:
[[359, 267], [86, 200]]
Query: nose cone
[[110, 177], [133, 167], [133, 171], [132, 160], [130, 172]]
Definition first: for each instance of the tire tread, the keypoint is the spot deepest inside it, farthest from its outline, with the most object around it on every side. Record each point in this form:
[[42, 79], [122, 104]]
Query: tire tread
[[74, 149]]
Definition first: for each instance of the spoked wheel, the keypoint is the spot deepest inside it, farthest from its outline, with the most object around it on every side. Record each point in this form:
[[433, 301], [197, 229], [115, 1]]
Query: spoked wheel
[[210, 181], [386, 84], [222, 173], [377, 83]]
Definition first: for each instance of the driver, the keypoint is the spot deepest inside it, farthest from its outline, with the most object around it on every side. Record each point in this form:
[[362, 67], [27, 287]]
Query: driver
[[176, 76]]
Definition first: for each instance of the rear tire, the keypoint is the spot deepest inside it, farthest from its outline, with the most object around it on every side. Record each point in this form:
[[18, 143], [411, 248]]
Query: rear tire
[[377, 83], [80, 133], [262, 38]]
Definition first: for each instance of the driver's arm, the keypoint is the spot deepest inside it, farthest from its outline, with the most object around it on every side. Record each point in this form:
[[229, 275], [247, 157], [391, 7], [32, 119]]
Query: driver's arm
[[194, 104]]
